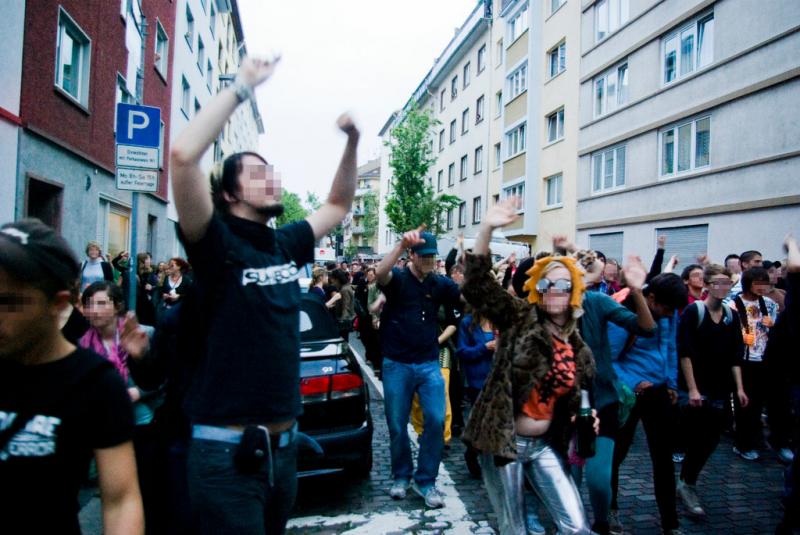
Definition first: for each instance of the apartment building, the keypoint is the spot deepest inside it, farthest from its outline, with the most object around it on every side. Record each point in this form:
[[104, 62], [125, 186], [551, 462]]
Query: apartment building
[[12, 26], [689, 126], [368, 182]]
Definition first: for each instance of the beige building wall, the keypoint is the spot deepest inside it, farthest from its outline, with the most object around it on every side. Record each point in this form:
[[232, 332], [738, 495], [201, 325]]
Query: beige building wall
[[368, 181]]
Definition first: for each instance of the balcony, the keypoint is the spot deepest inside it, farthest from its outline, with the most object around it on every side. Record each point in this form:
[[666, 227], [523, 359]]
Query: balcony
[[357, 230]]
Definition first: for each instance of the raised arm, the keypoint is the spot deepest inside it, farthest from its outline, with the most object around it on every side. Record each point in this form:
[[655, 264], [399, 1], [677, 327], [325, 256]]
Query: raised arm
[[658, 259], [635, 276], [383, 272], [189, 185]]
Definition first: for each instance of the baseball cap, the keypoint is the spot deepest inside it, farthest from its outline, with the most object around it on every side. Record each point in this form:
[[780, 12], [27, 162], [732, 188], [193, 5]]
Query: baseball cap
[[426, 247], [766, 264], [33, 252]]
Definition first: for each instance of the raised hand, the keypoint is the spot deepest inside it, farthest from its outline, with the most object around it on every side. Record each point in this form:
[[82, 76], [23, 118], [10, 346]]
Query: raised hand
[[502, 213], [255, 71], [412, 237], [635, 272], [346, 125], [133, 339], [662, 242]]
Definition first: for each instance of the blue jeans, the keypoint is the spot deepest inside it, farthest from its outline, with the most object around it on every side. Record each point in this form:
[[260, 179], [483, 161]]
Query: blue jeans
[[400, 381]]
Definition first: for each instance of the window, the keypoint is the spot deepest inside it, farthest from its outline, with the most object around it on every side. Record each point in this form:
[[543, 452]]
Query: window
[[452, 131], [449, 219], [517, 81], [689, 48], [516, 190], [498, 158], [462, 214], [611, 90], [685, 146], [186, 97], [554, 189], [209, 74], [201, 53], [557, 59], [555, 4], [498, 56], [515, 140], [212, 19], [73, 58], [190, 27], [196, 106], [123, 95], [454, 88], [162, 50], [465, 75], [609, 16], [439, 177], [441, 140], [495, 198], [517, 24], [685, 242], [479, 109], [464, 167], [498, 104], [479, 159], [555, 126], [608, 169], [465, 121], [476, 210], [608, 242], [451, 174], [481, 59], [441, 99]]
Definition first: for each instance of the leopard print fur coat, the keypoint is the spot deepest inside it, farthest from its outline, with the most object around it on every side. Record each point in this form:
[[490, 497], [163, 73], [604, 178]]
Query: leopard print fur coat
[[524, 355]]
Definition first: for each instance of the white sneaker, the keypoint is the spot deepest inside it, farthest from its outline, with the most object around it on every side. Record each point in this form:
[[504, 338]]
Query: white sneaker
[[688, 496], [749, 455], [433, 498], [398, 489], [678, 458], [786, 455]]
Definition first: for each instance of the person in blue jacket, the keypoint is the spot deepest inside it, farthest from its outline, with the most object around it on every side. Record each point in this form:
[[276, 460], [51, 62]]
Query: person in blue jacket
[[649, 367]]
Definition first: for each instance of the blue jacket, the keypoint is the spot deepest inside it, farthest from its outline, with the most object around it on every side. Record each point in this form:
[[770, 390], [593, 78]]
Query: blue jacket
[[649, 359], [476, 359]]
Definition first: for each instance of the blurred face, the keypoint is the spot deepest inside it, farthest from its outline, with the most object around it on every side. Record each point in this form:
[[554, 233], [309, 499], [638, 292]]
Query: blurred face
[[611, 272], [172, 268], [259, 184], [695, 279], [659, 310], [733, 265], [756, 261], [148, 262], [761, 288], [370, 276], [93, 252], [555, 292], [100, 310], [719, 286], [774, 274], [26, 315], [162, 266], [458, 277], [424, 264]]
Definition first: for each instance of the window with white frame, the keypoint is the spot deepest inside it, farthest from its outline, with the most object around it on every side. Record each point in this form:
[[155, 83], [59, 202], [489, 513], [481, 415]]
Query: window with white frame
[[209, 74], [553, 186], [517, 81], [452, 131], [441, 99], [73, 58], [454, 88], [476, 210], [465, 75], [498, 155], [611, 90], [479, 159], [557, 59], [451, 174], [479, 109], [608, 169], [686, 146], [689, 48], [465, 121], [464, 167], [441, 140], [498, 56], [555, 4], [212, 19], [481, 59], [162, 50], [609, 16], [449, 219], [439, 179], [462, 214], [186, 96], [201, 53], [498, 104], [516, 190], [515, 140], [190, 27], [555, 126], [517, 24], [122, 95]]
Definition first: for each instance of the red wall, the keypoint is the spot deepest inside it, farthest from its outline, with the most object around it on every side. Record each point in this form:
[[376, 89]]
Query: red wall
[[44, 108]]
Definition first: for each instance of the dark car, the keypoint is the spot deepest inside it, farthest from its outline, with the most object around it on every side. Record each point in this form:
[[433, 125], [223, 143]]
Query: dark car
[[336, 413]]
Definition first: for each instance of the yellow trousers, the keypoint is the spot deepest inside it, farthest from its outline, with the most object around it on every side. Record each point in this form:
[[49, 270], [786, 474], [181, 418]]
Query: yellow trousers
[[416, 410]]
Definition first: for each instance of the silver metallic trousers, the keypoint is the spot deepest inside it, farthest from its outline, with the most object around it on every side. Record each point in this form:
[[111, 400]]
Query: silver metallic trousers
[[552, 483]]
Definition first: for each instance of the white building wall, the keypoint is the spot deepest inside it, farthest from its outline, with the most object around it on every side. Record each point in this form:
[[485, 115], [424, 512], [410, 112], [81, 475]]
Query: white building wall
[[12, 25]]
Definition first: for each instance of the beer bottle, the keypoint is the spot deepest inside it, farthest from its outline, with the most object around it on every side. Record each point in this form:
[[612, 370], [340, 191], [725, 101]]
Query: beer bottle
[[585, 427]]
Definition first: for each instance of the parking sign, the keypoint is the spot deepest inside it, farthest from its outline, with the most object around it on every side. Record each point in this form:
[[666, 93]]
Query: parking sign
[[138, 136]]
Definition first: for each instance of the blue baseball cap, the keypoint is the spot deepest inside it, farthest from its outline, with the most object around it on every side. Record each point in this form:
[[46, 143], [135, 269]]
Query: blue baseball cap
[[427, 247]]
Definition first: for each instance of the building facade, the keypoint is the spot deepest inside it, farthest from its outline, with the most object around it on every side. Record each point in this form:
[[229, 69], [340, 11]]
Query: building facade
[[355, 227], [12, 27], [80, 60], [689, 126]]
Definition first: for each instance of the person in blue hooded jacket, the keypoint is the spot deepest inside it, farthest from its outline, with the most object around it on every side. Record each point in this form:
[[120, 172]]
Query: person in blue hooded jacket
[[649, 367]]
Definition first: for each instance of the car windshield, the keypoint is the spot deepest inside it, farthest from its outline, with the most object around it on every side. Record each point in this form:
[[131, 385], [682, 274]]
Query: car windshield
[[316, 323]]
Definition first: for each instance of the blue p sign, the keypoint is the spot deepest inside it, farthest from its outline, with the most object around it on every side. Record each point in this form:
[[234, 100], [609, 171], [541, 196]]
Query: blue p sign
[[138, 125]]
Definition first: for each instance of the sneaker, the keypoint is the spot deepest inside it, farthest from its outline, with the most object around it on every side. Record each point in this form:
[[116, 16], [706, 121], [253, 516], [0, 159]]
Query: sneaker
[[678, 458], [688, 496], [614, 525], [532, 524], [786, 455], [433, 498], [398, 489], [749, 455]]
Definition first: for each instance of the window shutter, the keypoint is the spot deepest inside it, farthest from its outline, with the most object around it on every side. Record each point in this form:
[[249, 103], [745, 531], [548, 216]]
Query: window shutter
[[610, 244]]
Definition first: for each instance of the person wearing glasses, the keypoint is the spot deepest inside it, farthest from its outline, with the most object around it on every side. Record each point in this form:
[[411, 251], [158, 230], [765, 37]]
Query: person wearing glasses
[[526, 429]]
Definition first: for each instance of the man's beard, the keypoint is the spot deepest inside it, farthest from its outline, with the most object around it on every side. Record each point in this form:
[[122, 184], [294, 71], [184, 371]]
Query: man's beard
[[271, 210]]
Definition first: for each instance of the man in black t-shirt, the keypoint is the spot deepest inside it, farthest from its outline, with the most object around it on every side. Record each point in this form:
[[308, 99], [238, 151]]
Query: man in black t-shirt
[[59, 405], [245, 396]]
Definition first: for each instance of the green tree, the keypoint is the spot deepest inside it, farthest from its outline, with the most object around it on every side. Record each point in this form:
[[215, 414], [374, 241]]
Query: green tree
[[412, 200], [350, 250], [293, 209]]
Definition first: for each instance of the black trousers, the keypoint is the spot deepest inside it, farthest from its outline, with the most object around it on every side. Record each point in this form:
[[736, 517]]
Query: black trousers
[[749, 431], [702, 427], [655, 410]]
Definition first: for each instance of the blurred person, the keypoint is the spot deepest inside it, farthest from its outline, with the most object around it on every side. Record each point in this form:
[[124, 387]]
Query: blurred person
[[747, 260], [692, 276], [95, 268], [611, 273], [177, 282], [344, 305], [776, 294], [732, 264], [319, 279]]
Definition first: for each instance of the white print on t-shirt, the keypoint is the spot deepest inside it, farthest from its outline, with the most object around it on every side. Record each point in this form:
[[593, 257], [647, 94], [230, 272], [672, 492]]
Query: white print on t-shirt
[[272, 275], [36, 439]]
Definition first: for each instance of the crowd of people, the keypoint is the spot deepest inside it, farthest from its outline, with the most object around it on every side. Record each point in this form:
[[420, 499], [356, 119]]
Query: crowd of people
[[189, 406]]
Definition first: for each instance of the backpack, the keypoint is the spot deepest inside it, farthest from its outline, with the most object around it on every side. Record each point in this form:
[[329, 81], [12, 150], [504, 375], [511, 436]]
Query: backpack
[[701, 313]]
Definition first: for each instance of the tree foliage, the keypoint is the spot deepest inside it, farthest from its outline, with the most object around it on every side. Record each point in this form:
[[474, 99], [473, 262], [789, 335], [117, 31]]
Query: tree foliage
[[412, 200], [293, 209], [370, 219]]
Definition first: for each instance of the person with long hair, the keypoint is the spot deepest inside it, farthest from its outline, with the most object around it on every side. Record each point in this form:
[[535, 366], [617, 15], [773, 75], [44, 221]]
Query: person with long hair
[[319, 278], [176, 283], [525, 429]]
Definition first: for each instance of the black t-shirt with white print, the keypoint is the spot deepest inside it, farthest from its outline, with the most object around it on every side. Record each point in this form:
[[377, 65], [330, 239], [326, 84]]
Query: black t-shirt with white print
[[72, 406], [246, 277]]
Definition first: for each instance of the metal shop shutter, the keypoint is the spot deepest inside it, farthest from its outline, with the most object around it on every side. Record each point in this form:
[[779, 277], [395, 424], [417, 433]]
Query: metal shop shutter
[[610, 244], [686, 242]]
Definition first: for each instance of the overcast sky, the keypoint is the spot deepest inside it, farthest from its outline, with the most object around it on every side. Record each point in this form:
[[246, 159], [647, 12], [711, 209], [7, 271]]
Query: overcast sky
[[361, 56]]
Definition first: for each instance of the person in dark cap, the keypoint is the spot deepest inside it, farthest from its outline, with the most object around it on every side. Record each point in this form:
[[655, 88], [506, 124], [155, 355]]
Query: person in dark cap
[[59, 405], [410, 345]]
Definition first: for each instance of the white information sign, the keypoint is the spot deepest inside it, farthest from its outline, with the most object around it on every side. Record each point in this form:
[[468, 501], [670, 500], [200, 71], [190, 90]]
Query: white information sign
[[137, 180], [141, 157]]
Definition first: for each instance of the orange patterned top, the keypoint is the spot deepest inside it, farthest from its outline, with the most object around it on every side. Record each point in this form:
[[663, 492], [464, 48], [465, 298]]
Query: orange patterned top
[[558, 381]]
